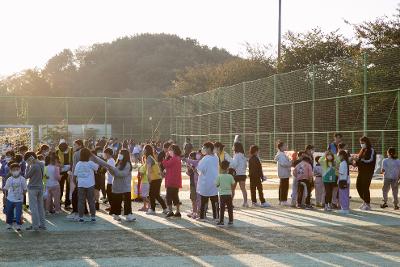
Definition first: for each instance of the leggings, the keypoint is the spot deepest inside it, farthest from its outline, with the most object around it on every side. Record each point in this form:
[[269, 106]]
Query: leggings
[[154, 194], [362, 186], [328, 192], [214, 203], [226, 200]]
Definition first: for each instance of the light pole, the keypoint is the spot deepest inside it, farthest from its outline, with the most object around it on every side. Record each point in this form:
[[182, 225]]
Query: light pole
[[279, 32], [151, 122]]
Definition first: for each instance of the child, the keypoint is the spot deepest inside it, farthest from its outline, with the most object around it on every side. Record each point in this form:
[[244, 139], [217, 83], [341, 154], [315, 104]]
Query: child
[[344, 182], [84, 170], [303, 175], [318, 184], [192, 162], [329, 163], [52, 173], [225, 183], [391, 174], [16, 188], [256, 175], [173, 179], [108, 156], [284, 167], [144, 186]]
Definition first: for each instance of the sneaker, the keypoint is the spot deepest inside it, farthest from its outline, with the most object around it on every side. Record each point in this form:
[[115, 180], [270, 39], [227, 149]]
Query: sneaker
[[230, 223], [220, 224], [117, 218], [367, 207], [165, 211], [93, 219], [284, 203], [327, 207], [254, 204], [396, 207], [384, 205], [245, 205], [362, 207], [177, 214], [344, 212], [72, 216], [150, 212], [265, 205], [170, 214], [130, 218], [18, 228], [9, 227], [81, 220], [309, 207]]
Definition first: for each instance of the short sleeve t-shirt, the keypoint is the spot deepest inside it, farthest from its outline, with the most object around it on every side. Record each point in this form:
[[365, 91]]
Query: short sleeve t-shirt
[[224, 183], [109, 176], [84, 170], [392, 168], [15, 188]]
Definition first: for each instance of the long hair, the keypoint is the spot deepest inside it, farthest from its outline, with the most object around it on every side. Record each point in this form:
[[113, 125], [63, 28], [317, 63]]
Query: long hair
[[148, 151], [126, 160], [333, 158], [345, 157], [363, 151]]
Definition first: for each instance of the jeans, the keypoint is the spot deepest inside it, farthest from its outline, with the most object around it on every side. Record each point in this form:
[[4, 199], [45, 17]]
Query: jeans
[[83, 194], [154, 194], [255, 184], [226, 200], [36, 205], [10, 206]]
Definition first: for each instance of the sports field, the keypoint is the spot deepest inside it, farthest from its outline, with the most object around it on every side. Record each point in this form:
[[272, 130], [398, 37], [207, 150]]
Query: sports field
[[259, 237]]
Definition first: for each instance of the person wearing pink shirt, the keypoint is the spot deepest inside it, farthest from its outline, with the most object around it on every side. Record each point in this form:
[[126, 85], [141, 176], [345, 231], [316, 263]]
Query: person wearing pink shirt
[[303, 174], [173, 179]]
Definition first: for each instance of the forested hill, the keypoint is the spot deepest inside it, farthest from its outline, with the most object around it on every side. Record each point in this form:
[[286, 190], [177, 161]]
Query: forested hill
[[141, 65]]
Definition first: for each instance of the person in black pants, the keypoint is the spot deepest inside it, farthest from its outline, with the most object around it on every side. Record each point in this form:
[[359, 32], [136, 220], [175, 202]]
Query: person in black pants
[[366, 165], [256, 176], [224, 183]]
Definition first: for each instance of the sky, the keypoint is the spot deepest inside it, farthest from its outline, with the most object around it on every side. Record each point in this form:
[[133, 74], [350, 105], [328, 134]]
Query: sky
[[34, 31]]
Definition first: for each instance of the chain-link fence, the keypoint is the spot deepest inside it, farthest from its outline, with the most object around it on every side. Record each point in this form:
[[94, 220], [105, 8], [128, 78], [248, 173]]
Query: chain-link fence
[[353, 96]]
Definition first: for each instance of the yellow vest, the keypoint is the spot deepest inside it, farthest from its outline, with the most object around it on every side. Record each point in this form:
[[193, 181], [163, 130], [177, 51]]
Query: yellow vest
[[61, 156], [155, 170]]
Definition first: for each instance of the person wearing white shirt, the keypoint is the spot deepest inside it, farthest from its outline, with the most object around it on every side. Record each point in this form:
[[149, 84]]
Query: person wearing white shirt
[[84, 171], [239, 164], [208, 173], [108, 155]]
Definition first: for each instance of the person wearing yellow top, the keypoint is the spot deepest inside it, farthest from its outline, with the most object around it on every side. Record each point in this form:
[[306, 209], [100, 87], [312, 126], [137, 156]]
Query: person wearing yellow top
[[153, 175], [221, 154], [144, 185]]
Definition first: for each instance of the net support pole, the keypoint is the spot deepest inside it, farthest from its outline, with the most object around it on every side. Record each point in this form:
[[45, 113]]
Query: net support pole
[[184, 117], [66, 111], [244, 113], [352, 142], [365, 104], [170, 116], [258, 128], [230, 128], [292, 124], [274, 130], [219, 116], [398, 120], [337, 114], [313, 104], [200, 119], [383, 142], [105, 116], [176, 123], [142, 118]]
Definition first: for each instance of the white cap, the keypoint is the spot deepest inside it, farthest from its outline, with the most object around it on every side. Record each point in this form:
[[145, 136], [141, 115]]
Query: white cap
[[62, 141]]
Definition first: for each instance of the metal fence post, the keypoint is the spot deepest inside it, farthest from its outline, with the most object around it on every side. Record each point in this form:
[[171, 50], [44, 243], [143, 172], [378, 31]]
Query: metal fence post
[[337, 115], [274, 134], [244, 113], [219, 115], [398, 120], [383, 142], [313, 104], [365, 104], [105, 117], [258, 128], [142, 122], [200, 119], [292, 122], [230, 128], [184, 117]]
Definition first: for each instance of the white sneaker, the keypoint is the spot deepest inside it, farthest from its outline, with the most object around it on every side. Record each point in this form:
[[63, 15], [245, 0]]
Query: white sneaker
[[72, 216], [265, 205], [254, 204], [367, 207], [344, 212], [150, 212], [245, 205], [285, 203], [165, 211], [327, 207], [362, 207], [117, 218], [130, 218]]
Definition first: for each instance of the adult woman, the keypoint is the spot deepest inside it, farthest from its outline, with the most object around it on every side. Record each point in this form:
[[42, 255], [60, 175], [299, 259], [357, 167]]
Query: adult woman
[[154, 176], [221, 154], [239, 164], [121, 188], [365, 162], [208, 173]]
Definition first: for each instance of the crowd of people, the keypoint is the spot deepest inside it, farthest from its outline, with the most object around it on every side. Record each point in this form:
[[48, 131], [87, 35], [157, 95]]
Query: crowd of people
[[76, 176]]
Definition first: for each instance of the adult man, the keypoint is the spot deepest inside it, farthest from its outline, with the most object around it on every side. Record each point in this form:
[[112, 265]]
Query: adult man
[[333, 147], [64, 153]]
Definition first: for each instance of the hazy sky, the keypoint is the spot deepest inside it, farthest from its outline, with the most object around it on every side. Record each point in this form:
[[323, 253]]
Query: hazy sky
[[34, 30]]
